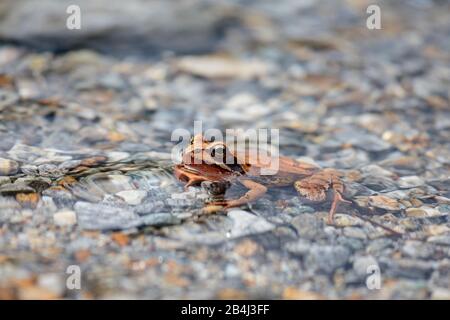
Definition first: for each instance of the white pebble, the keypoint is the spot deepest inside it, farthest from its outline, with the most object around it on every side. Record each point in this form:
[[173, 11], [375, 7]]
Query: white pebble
[[65, 218], [132, 197]]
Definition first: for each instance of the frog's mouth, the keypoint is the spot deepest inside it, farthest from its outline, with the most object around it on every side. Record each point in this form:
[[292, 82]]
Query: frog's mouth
[[220, 164]]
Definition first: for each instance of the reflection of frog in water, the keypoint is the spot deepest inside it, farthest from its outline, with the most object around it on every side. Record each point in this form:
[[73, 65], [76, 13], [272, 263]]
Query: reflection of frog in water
[[310, 181]]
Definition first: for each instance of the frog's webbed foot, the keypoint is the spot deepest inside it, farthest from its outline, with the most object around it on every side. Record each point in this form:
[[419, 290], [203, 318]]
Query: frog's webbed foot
[[255, 191], [315, 188]]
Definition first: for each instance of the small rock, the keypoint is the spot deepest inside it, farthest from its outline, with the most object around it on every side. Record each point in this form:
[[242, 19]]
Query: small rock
[[4, 180], [15, 188], [120, 238], [246, 248], [410, 182], [362, 263], [407, 268], [327, 258], [436, 229], [101, 216], [308, 226], [440, 294], [52, 282], [158, 220], [353, 232], [28, 200], [221, 67], [132, 197], [8, 167], [65, 218], [418, 249], [423, 212], [245, 223], [384, 202], [345, 220]]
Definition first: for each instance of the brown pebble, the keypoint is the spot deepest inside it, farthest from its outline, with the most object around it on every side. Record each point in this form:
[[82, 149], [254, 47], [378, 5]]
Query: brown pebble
[[28, 200], [120, 238]]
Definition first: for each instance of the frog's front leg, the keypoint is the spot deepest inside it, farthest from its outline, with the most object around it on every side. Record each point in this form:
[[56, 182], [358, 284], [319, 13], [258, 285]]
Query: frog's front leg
[[255, 191], [190, 178], [315, 188]]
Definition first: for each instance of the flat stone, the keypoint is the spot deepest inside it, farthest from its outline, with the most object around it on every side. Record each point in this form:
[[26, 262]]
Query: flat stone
[[245, 223], [102, 216], [132, 197], [410, 182], [14, 188], [423, 212], [384, 202]]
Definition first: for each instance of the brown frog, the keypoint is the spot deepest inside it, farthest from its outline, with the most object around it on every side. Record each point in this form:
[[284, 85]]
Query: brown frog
[[205, 161]]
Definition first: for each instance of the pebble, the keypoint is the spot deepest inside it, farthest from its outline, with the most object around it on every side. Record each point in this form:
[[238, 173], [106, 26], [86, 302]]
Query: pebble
[[327, 258], [103, 216], [245, 223], [308, 226], [353, 232], [4, 180], [345, 220], [65, 218], [8, 167], [222, 67], [384, 202], [132, 197], [410, 182], [52, 282], [423, 212], [361, 265]]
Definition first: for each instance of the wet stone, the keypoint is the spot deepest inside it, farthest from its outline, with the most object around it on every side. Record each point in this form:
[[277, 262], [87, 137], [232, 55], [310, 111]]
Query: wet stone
[[361, 265], [65, 218], [327, 258], [8, 167], [108, 217], [132, 197], [423, 212], [308, 226], [384, 202], [14, 188], [4, 180], [410, 182], [244, 223], [103, 217]]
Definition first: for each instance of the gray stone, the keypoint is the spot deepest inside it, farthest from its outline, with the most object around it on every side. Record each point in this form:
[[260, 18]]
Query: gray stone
[[327, 258]]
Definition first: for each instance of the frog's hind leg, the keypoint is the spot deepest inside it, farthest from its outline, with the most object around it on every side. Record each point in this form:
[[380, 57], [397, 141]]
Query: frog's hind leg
[[315, 188]]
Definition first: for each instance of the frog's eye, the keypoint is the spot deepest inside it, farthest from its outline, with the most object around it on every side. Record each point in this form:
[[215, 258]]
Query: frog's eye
[[192, 140], [218, 150]]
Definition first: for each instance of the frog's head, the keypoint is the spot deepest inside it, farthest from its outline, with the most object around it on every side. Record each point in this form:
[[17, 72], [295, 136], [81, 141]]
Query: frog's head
[[203, 151]]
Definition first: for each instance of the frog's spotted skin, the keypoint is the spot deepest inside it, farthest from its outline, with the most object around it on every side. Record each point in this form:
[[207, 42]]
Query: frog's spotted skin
[[204, 161]]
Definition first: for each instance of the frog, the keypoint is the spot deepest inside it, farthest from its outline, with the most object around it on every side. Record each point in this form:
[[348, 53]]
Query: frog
[[209, 160]]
